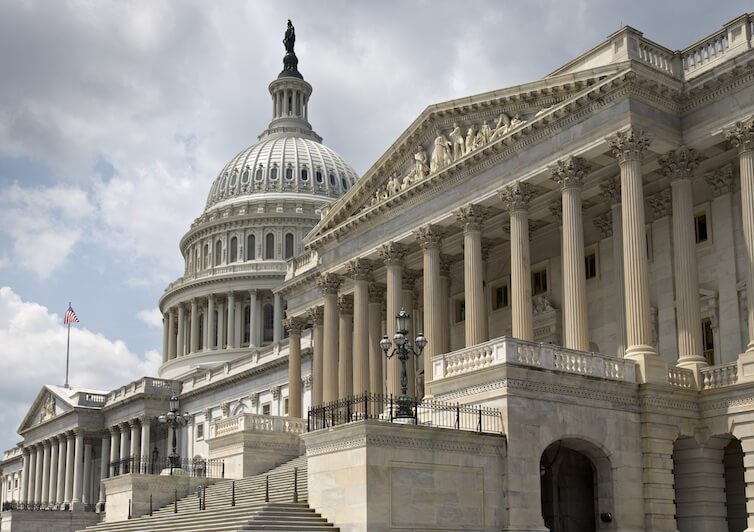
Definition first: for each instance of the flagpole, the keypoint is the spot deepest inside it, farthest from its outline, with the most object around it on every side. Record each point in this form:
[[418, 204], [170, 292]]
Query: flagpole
[[68, 350]]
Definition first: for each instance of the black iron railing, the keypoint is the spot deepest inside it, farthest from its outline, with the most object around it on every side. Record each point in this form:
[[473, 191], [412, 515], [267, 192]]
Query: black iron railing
[[385, 408], [147, 465], [23, 505]]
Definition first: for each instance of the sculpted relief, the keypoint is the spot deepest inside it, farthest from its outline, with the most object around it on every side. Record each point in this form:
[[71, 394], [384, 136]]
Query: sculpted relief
[[48, 408], [446, 150]]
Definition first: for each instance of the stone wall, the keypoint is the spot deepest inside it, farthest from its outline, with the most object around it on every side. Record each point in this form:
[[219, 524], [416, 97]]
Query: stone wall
[[38, 521]]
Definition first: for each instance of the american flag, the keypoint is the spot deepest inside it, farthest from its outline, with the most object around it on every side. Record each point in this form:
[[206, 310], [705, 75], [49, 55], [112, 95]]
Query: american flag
[[70, 316]]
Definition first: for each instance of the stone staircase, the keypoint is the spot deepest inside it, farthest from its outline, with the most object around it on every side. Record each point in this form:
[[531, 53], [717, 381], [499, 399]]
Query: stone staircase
[[254, 509]]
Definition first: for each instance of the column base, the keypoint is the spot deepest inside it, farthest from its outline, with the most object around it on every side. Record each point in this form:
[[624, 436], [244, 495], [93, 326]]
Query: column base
[[649, 366]]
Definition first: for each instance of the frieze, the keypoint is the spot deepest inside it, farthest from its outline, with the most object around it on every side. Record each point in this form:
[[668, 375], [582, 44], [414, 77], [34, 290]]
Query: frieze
[[422, 444]]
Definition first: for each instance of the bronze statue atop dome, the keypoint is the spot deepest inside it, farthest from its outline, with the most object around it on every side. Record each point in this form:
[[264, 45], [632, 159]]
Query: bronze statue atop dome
[[290, 61]]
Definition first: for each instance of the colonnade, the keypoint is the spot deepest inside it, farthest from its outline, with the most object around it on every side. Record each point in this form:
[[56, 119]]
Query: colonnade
[[290, 102], [217, 322], [334, 377]]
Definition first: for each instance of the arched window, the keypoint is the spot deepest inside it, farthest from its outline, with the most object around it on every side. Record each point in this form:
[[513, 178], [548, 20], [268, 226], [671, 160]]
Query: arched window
[[274, 173], [206, 256], [288, 245], [318, 175], [250, 247], [233, 249], [269, 246], [258, 175], [332, 180], [304, 174], [344, 183], [289, 173], [218, 252], [268, 320], [233, 179], [245, 176]]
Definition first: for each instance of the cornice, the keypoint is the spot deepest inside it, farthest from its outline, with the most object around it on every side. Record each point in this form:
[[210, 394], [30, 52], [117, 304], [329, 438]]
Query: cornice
[[222, 278]]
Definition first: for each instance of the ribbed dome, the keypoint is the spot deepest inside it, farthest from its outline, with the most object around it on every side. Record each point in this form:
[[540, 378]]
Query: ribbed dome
[[283, 164]]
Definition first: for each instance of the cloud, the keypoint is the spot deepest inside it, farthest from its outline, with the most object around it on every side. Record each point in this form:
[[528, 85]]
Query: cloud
[[152, 317], [33, 344]]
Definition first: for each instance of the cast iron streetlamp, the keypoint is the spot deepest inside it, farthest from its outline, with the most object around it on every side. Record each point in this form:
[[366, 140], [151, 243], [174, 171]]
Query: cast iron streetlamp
[[174, 420], [404, 350]]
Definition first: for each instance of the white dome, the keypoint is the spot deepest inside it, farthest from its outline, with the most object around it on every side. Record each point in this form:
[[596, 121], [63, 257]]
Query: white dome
[[282, 164]]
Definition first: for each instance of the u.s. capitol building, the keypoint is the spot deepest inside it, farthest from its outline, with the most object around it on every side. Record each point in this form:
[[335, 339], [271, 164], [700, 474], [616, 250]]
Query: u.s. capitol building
[[578, 253]]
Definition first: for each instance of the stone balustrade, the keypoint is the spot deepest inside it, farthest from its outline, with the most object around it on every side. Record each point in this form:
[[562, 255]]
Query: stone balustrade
[[681, 378], [299, 264], [257, 423], [148, 385], [265, 266], [719, 376], [506, 350]]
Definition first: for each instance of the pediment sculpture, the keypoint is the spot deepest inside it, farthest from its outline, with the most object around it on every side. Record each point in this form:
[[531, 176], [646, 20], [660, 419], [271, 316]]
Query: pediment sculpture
[[48, 408]]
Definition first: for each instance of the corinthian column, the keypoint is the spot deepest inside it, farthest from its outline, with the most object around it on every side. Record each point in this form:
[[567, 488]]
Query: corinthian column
[[329, 283], [172, 349], [516, 198], [70, 462], [231, 320], [194, 347], [345, 346], [104, 457], [54, 447], [211, 323], [277, 318], [181, 330], [294, 326], [78, 469], [45, 473], [376, 304], [165, 338], [471, 217], [679, 166], [393, 255], [316, 316], [569, 173], [429, 238], [408, 303], [24, 497], [60, 481], [39, 478], [360, 271], [611, 194], [629, 148], [742, 137]]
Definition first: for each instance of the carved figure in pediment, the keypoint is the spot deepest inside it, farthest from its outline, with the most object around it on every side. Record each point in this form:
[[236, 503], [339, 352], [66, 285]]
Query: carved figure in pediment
[[48, 408], [515, 122], [421, 169], [543, 111], [502, 126], [470, 140], [486, 132], [409, 180], [393, 185], [441, 154], [456, 136]]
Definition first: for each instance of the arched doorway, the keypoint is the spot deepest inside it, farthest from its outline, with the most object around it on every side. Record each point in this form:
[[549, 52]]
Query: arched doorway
[[576, 484]]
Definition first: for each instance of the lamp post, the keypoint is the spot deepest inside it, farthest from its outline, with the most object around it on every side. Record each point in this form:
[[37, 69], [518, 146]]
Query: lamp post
[[174, 420], [403, 349]]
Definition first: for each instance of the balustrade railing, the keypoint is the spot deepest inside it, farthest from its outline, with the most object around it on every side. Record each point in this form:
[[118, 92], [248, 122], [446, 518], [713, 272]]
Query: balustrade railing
[[257, 423], [681, 378], [385, 408], [719, 376], [148, 465]]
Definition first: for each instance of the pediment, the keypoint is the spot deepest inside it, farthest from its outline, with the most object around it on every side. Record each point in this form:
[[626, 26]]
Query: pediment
[[449, 136], [48, 405]]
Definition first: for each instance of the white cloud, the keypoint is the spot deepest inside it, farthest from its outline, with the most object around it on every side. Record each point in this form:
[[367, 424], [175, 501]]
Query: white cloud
[[33, 344], [151, 317]]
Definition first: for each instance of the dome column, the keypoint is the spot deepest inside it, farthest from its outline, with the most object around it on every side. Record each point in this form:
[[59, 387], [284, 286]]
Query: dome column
[[277, 323], [165, 337], [181, 329], [253, 319], [194, 347], [221, 325], [211, 323], [172, 338], [231, 320]]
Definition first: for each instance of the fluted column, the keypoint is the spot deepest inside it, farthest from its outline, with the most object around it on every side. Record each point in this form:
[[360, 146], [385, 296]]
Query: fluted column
[[393, 255], [329, 283], [742, 136], [569, 173], [125, 446], [294, 326], [78, 468], [86, 496], [53, 490], [445, 263], [222, 328], [407, 302], [629, 148], [23, 497], [253, 319], [471, 217], [70, 462], [679, 166], [103, 469], [194, 346], [516, 198], [114, 449], [345, 346], [429, 238], [38, 478], [316, 316], [135, 439], [611, 194], [211, 323], [45, 473], [172, 338], [376, 304], [277, 321], [146, 422], [165, 338], [60, 478], [32, 477], [231, 320], [181, 330], [361, 272]]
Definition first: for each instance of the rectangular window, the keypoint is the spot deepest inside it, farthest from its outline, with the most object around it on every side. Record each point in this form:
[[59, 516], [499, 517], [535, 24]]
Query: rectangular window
[[700, 227], [266, 409], [286, 406], [708, 341], [460, 310], [499, 296], [539, 282], [200, 431], [590, 261]]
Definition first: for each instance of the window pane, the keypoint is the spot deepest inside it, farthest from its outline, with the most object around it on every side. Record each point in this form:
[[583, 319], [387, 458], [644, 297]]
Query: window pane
[[269, 252], [288, 246], [250, 247]]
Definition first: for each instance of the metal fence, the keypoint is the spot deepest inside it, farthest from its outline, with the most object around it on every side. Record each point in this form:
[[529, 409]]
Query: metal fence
[[147, 465], [385, 408], [35, 506]]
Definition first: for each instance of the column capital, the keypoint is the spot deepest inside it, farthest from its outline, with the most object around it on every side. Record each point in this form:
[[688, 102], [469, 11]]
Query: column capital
[[113, 429], [517, 196], [70, 435], [393, 253], [124, 426], [360, 269], [306, 381], [47, 443], [316, 315], [741, 135], [604, 223], [133, 422], [570, 172], [611, 190], [680, 163], [211, 297], [377, 293], [629, 145], [409, 279], [556, 209], [471, 216], [661, 204], [721, 180], [329, 283], [429, 236], [345, 304], [295, 324]]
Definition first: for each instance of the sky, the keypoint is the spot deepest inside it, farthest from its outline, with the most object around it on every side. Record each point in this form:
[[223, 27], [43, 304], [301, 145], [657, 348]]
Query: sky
[[115, 117]]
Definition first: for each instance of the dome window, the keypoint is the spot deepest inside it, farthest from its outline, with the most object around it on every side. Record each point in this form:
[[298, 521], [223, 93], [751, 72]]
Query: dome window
[[250, 247], [233, 180], [233, 249], [269, 246], [225, 182], [304, 174], [258, 177], [332, 180], [288, 245], [344, 183], [318, 175], [218, 252], [245, 176], [274, 173], [289, 173]]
